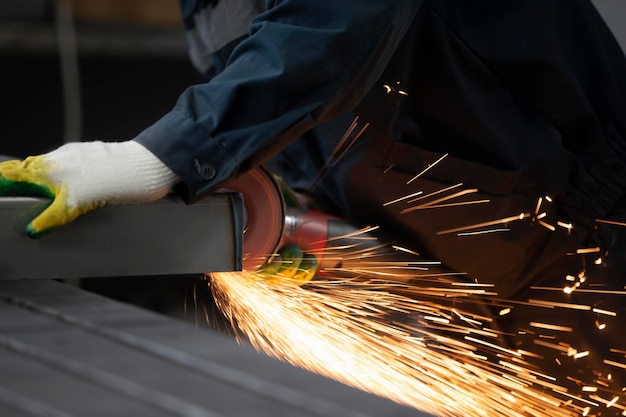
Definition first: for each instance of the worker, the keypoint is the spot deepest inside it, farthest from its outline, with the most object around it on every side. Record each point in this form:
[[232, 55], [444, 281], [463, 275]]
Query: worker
[[518, 107]]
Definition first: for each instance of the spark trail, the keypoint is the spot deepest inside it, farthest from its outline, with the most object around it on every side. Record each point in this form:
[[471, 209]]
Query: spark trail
[[430, 339], [424, 338], [345, 331]]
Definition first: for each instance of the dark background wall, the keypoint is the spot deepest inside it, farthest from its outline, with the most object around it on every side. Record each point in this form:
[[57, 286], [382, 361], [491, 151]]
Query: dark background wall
[[120, 96], [132, 65], [614, 13]]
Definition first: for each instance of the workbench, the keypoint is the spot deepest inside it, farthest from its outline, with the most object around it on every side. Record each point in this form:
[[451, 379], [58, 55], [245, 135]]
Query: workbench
[[66, 352]]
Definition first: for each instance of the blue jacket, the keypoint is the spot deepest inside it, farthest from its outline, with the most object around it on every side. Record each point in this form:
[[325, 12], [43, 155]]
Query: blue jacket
[[302, 62]]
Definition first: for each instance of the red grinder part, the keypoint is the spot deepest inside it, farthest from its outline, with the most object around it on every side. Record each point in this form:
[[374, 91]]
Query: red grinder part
[[265, 216], [309, 230]]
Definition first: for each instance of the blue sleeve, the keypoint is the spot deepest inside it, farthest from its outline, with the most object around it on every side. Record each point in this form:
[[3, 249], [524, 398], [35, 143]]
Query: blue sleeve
[[304, 62]]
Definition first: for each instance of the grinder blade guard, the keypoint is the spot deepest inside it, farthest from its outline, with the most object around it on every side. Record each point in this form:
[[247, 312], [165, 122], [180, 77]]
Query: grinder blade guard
[[264, 217]]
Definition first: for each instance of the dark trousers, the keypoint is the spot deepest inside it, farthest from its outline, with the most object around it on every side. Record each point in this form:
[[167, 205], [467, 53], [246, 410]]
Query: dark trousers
[[528, 100]]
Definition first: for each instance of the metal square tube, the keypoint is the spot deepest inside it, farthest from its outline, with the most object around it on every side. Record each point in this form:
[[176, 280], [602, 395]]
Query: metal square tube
[[166, 237]]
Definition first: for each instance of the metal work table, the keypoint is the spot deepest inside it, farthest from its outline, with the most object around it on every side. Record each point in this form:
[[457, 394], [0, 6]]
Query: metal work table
[[66, 352], [165, 237]]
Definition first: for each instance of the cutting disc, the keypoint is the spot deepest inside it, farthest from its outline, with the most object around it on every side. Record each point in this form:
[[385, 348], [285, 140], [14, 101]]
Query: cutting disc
[[264, 217]]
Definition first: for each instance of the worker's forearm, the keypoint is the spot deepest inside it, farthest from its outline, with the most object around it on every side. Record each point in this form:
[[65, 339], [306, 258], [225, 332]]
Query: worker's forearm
[[304, 60]]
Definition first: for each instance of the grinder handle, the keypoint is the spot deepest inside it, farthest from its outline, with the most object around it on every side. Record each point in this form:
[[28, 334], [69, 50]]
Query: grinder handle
[[327, 237]]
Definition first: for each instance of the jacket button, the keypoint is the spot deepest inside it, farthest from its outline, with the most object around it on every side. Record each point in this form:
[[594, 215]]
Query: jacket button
[[205, 170]]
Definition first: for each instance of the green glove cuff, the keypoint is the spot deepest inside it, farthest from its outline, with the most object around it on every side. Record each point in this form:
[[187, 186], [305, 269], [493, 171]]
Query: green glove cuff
[[290, 198], [289, 265], [23, 188]]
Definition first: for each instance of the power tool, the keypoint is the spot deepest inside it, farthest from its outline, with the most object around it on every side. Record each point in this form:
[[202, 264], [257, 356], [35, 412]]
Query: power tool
[[270, 224]]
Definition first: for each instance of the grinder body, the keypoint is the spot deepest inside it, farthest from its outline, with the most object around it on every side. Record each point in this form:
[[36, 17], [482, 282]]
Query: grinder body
[[270, 224]]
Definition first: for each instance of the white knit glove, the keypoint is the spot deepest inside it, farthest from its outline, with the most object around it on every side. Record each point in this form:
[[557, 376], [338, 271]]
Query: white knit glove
[[82, 176]]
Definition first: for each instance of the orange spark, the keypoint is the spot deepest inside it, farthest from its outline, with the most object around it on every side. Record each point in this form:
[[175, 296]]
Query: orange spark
[[341, 329], [485, 224], [427, 168]]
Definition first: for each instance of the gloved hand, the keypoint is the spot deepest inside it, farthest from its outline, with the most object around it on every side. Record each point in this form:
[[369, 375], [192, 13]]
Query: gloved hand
[[290, 265], [82, 176]]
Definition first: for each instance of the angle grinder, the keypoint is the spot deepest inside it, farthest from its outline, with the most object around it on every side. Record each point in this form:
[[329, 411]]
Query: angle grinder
[[270, 224]]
